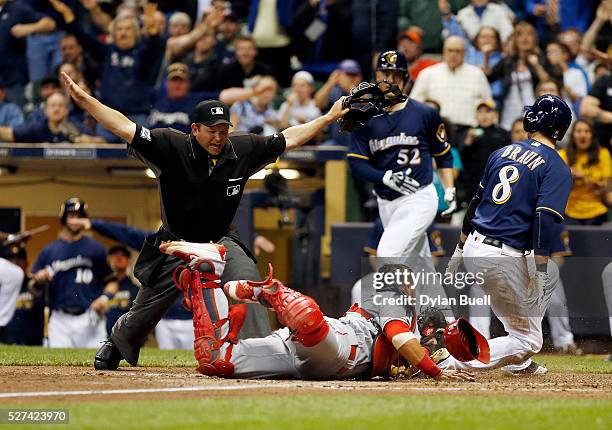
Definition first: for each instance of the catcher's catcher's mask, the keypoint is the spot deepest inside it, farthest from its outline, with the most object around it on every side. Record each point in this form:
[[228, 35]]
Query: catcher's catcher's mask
[[465, 343], [366, 100]]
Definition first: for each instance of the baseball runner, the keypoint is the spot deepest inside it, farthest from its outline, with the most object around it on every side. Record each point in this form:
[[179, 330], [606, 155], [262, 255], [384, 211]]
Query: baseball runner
[[395, 151], [80, 283], [363, 343], [522, 194], [201, 178]]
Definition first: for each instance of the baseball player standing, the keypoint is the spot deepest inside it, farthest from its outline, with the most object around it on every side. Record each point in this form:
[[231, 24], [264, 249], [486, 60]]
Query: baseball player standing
[[522, 194], [80, 283], [395, 151], [201, 178]]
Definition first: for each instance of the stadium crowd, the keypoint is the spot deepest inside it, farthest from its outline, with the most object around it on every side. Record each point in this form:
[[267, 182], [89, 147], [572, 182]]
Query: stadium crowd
[[279, 63]]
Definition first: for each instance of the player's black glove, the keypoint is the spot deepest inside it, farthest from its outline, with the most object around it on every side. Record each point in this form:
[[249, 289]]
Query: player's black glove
[[431, 324], [364, 102], [401, 181]]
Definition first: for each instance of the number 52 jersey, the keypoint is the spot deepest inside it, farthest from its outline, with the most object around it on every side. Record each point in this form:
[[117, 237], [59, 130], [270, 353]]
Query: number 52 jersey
[[520, 180]]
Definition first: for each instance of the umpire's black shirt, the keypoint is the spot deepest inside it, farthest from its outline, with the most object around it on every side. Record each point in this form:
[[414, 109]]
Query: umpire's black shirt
[[199, 199]]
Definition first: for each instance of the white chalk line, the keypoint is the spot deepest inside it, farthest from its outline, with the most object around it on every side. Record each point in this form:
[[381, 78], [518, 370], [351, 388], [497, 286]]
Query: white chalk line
[[143, 390], [467, 388]]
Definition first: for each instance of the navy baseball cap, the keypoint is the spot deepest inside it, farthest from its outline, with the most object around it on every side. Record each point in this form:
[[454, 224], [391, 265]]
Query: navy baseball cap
[[211, 113]]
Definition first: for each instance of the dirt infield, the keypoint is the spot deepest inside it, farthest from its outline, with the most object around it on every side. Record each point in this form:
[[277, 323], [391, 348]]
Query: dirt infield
[[27, 384]]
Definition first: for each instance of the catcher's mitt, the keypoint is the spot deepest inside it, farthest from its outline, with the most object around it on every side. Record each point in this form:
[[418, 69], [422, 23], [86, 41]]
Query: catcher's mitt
[[366, 100], [431, 324]]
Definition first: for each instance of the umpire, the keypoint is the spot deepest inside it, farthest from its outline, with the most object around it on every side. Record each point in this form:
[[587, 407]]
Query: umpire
[[201, 177]]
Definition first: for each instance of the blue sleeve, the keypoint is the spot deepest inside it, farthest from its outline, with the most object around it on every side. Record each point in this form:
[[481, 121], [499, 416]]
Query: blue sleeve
[[531, 4], [103, 270], [363, 170], [27, 133], [554, 190], [454, 29], [129, 236], [14, 116], [41, 260], [440, 148], [27, 14], [358, 146], [544, 229]]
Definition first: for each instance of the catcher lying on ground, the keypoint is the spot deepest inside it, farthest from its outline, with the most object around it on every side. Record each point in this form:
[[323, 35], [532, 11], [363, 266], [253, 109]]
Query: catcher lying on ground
[[364, 343]]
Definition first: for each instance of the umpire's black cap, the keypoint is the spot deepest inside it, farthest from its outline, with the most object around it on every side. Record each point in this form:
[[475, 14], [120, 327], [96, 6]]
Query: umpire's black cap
[[211, 113]]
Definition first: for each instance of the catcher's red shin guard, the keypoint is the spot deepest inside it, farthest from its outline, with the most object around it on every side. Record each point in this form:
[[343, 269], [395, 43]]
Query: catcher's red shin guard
[[295, 310]]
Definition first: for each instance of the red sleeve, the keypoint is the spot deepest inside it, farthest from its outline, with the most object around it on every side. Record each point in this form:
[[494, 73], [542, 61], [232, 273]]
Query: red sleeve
[[395, 327]]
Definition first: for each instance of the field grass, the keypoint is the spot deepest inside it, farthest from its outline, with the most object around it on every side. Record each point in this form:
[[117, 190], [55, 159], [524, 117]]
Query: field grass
[[341, 411], [11, 355], [337, 410]]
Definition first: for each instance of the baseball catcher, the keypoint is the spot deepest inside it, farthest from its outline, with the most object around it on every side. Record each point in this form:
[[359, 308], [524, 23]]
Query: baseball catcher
[[363, 343]]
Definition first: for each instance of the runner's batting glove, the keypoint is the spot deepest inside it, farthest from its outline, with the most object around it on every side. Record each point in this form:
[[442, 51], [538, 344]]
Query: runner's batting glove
[[455, 261], [450, 197], [401, 182]]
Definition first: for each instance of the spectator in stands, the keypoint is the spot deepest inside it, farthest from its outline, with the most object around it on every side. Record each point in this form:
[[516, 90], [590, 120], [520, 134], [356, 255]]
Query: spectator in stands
[[481, 13], [129, 64], [478, 143], [119, 261], [228, 31], [597, 107], [268, 22], [72, 52], [35, 111], [257, 115], [346, 76], [204, 63], [174, 104], [551, 16], [410, 43], [10, 114], [55, 128], [18, 20], [517, 132], [299, 107], [575, 84], [520, 73], [246, 64], [457, 87], [181, 41], [427, 16], [483, 51], [596, 38], [591, 168]]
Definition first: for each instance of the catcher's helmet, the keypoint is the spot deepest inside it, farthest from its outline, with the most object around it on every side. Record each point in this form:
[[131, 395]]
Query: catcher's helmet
[[465, 343], [392, 60], [73, 204], [549, 115]]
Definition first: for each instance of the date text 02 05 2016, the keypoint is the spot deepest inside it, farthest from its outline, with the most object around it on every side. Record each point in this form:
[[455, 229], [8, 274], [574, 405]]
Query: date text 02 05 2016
[[33, 416]]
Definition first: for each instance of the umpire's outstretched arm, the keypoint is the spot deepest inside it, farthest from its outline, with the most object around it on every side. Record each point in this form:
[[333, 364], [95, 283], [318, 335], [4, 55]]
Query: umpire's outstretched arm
[[298, 135], [109, 118]]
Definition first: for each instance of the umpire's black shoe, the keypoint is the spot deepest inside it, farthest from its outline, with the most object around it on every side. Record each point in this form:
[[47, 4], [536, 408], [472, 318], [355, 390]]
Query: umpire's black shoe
[[108, 356]]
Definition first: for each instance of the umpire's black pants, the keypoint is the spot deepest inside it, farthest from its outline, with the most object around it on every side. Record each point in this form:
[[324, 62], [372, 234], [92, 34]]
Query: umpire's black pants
[[157, 295]]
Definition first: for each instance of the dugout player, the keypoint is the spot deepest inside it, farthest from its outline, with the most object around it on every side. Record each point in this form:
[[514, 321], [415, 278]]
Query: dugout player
[[522, 194], [361, 344], [395, 151], [80, 283], [201, 176]]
